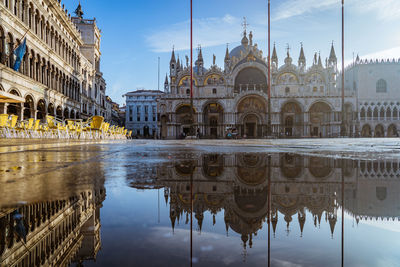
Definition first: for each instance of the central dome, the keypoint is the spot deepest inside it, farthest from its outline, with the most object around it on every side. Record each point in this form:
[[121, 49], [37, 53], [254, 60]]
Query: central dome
[[237, 51]]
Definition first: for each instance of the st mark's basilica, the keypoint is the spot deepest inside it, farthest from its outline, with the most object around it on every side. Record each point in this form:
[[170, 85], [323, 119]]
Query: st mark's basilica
[[305, 98]]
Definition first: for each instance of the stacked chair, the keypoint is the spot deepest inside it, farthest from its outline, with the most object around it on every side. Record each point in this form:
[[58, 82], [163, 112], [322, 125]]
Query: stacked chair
[[95, 128]]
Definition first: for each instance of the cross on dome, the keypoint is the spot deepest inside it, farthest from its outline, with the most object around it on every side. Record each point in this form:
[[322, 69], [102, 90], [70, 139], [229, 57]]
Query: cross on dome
[[244, 25]]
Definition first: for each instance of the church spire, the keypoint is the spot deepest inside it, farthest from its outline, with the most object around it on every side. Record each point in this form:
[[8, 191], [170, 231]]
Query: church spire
[[173, 60], [274, 57], [319, 60], [302, 58], [227, 52], [332, 55], [200, 55]]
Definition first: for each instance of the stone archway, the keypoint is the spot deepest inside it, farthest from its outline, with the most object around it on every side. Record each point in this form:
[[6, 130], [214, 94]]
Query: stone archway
[[50, 109], [164, 129], [29, 108], [213, 120], [250, 78], [320, 119], [251, 125], [14, 108], [41, 109], [59, 112], [66, 113], [251, 110], [379, 131], [392, 131], [185, 121], [366, 131], [292, 119]]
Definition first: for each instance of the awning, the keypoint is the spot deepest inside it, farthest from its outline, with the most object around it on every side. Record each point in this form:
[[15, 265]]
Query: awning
[[10, 98]]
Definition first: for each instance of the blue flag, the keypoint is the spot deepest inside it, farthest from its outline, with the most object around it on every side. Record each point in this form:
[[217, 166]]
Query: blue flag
[[19, 52]]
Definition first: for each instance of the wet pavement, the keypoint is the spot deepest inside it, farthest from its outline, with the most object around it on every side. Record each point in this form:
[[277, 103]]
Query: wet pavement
[[315, 202]]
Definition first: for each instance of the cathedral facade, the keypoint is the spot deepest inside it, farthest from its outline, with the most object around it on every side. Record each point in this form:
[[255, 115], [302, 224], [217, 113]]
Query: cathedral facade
[[305, 100]]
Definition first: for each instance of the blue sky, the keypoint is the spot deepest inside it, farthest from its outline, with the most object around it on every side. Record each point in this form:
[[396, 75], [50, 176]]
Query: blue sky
[[135, 32]]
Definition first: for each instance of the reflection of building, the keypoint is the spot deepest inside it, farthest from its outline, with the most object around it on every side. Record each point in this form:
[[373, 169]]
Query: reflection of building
[[141, 112], [238, 184], [305, 100], [60, 71], [61, 218], [57, 231]]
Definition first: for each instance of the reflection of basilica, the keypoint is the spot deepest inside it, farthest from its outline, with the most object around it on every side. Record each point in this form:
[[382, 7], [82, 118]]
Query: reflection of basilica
[[299, 187]]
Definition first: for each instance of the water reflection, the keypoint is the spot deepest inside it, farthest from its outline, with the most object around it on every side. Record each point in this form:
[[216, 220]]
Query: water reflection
[[292, 189], [220, 209], [50, 206]]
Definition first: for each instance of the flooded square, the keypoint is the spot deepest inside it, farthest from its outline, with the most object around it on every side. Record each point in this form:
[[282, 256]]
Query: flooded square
[[192, 203]]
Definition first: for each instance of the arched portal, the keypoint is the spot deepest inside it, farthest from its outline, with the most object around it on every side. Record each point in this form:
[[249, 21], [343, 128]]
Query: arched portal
[[320, 119], [146, 131], [164, 129], [366, 131], [292, 119], [66, 113], [251, 111], [392, 131], [50, 109], [14, 108], [29, 108], [185, 119], [213, 120], [379, 131], [250, 79], [41, 109], [72, 115], [59, 112]]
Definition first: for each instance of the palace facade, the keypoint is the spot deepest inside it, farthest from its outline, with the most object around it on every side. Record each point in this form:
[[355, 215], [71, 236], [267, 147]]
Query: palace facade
[[305, 99], [60, 71]]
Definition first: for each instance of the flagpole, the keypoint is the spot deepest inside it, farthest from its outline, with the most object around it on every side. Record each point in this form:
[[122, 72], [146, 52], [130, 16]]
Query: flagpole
[[269, 68], [343, 132], [191, 66]]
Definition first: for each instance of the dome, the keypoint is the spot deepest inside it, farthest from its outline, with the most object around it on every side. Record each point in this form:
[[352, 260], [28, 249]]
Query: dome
[[196, 70], [237, 50]]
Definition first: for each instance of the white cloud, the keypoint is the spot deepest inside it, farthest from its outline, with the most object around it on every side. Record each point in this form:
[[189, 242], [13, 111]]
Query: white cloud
[[293, 8], [384, 54], [383, 9], [206, 31]]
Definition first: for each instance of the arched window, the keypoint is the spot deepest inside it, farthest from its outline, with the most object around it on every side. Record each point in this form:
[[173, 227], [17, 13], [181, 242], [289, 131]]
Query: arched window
[[381, 86], [362, 115], [188, 91], [287, 90], [214, 91]]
